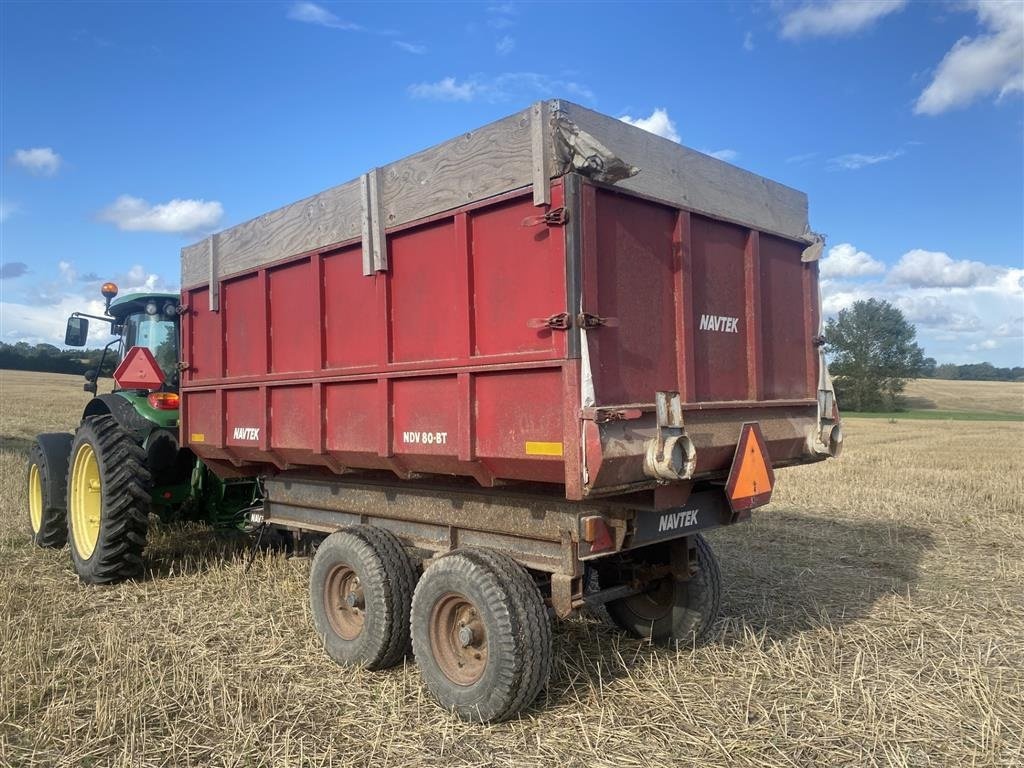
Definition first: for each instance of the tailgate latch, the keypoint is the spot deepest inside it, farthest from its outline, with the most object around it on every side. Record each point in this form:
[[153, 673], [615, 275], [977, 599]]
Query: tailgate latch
[[588, 322], [556, 217], [559, 322]]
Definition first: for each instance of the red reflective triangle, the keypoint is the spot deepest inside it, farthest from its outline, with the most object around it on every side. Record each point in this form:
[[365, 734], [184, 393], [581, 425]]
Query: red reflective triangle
[[139, 370]]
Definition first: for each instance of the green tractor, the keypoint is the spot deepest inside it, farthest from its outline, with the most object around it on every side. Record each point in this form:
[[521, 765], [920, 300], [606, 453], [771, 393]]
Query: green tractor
[[97, 488]]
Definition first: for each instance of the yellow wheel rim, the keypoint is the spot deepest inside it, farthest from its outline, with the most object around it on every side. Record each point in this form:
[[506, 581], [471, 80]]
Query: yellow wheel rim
[[35, 498], [86, 501]]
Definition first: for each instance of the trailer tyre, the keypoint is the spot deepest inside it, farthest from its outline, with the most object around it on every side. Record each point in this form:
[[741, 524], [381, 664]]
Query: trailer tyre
[[47, 489], [481, 635], [360, 589], [675, 611], [108, 492]]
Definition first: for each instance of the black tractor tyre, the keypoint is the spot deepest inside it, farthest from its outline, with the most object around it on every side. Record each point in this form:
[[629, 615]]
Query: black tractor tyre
[[360, 592], [675, 611], [124, 502], [481, 635], [46, 477]]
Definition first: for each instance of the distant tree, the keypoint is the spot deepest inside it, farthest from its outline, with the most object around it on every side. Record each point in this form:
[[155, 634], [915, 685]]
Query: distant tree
[[928, 368], [947, 371], [873, 353]]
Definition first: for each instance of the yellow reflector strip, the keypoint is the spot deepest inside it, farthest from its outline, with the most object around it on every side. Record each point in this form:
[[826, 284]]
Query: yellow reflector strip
[[198, 437], [543, 449]]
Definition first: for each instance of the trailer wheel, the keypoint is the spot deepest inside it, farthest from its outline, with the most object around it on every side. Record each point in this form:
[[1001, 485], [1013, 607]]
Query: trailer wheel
[[481, 635], [360, 588], [674, 611], [47, 489], [108, 491]]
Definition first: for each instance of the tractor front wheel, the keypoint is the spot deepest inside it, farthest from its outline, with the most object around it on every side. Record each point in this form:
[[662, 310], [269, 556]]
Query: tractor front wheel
[[47, 473], [108, 493]]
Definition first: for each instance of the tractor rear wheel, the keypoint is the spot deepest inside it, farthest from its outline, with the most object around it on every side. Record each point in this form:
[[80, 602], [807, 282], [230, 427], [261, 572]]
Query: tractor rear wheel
[[360, 593], [47, 475], [108, 502], [481, 634]]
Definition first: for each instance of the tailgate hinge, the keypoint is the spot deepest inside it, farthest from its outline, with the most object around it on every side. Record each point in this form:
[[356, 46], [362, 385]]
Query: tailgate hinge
[[553, 218]]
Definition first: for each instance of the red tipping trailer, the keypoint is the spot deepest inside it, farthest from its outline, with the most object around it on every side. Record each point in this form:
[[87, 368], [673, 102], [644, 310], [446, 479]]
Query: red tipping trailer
[[541, 341]]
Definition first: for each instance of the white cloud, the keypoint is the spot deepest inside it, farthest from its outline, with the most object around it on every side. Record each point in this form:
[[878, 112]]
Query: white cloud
[[502, 15], [748, 41], [728, 155], [509, 86], [658, 123], [800, 159], [836, 18], [921, 268], [38, 323], [983, 345], [845, 261], [505, 46], [1013, 328], [311, 13], [132, 214], [982, 65], [410, 47], [39, 316], [40, 161], [447, 89], [957, 306], [937, 312], [856, 160]]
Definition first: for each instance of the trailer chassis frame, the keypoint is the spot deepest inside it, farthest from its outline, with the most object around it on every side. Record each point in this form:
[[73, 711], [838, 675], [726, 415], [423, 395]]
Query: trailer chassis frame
[[550, 536]]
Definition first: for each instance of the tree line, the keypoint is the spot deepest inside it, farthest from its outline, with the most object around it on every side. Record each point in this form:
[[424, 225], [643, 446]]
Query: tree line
[[46, 358], [976, 372]]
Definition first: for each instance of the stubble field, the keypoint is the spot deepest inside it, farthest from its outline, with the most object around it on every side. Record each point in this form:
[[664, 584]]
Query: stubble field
[[873, 614]]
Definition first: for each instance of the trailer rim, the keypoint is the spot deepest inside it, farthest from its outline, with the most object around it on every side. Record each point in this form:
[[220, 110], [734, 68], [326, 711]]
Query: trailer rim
[[654, 603], [344, 601], [458, 638]]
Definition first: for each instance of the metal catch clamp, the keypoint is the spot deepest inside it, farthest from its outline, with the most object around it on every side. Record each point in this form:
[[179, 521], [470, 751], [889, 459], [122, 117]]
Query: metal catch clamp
[[559, 322], [553, 218], [588, 321]]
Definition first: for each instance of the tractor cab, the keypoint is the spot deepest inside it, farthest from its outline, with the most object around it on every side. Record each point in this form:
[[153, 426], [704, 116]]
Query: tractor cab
[[146, 320]]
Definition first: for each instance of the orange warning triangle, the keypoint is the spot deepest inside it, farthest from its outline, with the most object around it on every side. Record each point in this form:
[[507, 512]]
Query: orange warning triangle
[[751, 478]]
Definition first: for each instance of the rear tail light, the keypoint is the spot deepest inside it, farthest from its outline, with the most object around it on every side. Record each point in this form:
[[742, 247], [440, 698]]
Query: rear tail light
[[164, 401], [595, 532]]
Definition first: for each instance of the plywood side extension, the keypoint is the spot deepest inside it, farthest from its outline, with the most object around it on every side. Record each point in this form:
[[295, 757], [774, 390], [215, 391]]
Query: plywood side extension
[[695, 181], [505, 155]]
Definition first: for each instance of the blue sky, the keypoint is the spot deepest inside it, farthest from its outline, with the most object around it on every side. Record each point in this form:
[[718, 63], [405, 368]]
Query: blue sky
[[129, 130]]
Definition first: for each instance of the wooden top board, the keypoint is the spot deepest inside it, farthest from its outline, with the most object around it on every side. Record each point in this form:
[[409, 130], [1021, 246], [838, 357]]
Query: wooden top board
[[529, 147]]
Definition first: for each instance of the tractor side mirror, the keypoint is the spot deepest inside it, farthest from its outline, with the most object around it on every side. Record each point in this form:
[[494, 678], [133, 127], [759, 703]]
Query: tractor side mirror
[[90, 381], [77, 332]]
